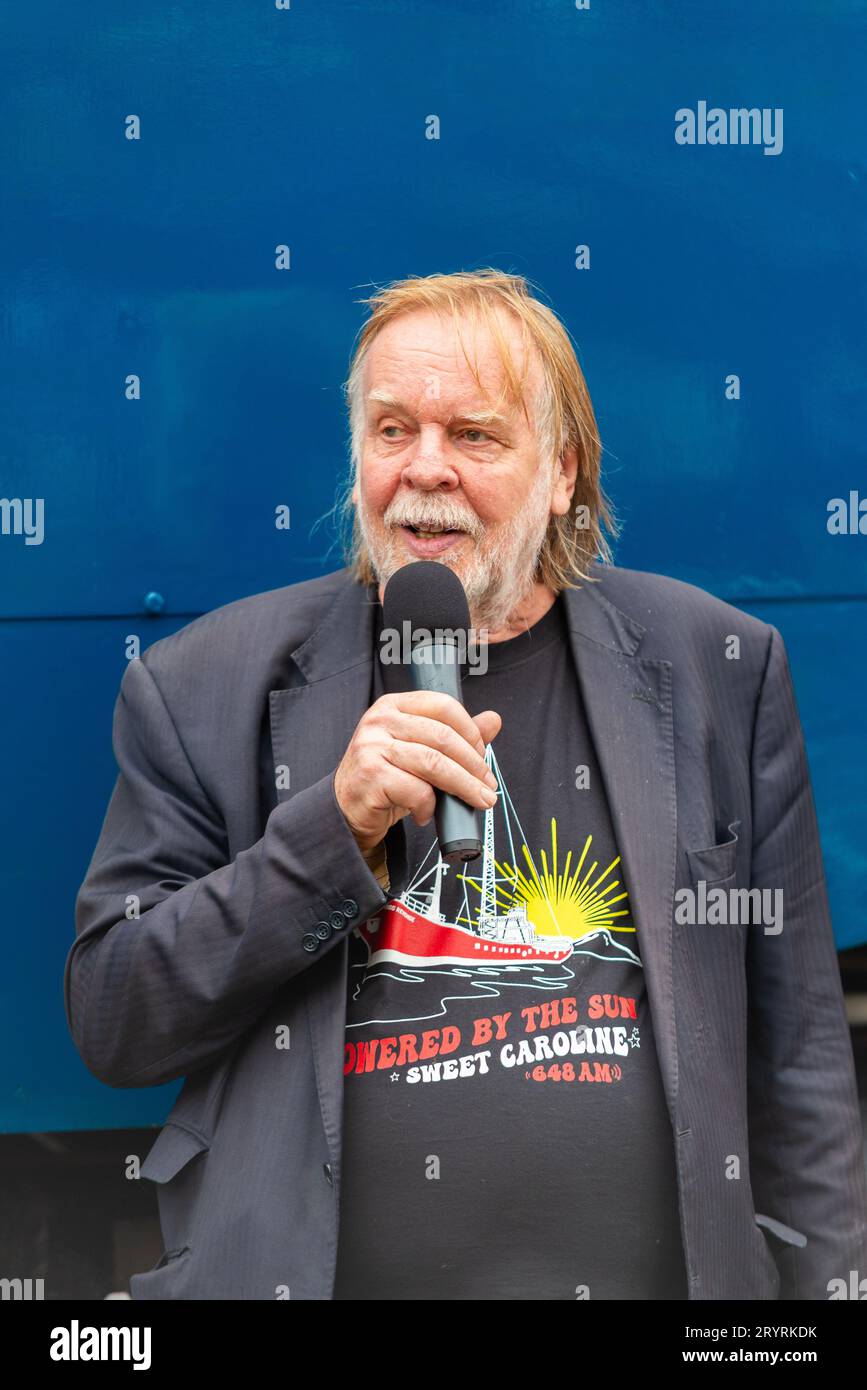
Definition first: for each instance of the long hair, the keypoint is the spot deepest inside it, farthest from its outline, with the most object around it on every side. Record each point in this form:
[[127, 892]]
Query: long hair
[[562, 413]]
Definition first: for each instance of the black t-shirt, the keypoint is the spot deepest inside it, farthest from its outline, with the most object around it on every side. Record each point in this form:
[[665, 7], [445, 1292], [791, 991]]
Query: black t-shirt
[[505, 1127]]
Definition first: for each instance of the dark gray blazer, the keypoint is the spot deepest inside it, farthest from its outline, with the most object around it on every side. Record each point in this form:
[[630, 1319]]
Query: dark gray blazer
[[246, 895]]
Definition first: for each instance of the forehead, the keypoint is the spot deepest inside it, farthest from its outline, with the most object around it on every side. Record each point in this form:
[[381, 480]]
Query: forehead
[[423, 346]]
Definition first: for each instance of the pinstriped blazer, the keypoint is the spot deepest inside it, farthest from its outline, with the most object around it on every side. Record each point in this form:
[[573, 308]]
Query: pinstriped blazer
[[247, 894]]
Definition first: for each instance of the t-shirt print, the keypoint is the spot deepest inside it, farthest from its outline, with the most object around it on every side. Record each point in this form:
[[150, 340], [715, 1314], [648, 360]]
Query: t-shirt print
[[513, 933]]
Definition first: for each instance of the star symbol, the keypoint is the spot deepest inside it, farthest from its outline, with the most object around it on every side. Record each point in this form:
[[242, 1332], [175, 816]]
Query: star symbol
[[634, 1038], [395, 1076]]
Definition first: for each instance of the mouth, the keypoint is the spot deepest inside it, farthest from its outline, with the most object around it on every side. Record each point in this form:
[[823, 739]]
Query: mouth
[[428, 532], [430, 540]]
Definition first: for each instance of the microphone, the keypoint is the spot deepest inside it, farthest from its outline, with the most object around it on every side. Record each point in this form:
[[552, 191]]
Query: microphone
[[427, 601]]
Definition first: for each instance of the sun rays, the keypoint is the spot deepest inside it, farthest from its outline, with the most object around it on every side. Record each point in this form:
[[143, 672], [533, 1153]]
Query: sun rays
[[565, 902]]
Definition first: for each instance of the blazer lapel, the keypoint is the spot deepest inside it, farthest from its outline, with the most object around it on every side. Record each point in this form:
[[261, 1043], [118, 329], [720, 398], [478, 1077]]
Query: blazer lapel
[[311, 722], [629, 711]]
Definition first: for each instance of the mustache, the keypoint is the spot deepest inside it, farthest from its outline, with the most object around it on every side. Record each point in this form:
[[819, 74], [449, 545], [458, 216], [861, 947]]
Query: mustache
[[429, 516]]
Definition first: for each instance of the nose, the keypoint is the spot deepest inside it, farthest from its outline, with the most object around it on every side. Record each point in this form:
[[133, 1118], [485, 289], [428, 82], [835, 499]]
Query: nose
[[428, 466]]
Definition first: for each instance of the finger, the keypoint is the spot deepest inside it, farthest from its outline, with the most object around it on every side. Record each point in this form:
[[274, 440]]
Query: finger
[[417, 728], [445, 708], [409, 795], [489, 723], [440, 771]]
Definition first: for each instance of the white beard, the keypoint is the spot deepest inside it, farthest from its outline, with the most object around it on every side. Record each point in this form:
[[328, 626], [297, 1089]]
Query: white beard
[[499, 572]]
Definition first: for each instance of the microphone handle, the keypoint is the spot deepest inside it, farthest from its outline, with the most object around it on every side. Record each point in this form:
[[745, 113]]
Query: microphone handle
[[435, 667]]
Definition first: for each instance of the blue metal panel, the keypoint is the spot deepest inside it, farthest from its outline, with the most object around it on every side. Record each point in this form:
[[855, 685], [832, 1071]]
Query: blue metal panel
[[307, 127], [56, 701]]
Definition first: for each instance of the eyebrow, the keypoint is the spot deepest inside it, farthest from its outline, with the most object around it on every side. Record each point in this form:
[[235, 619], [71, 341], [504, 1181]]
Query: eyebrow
[[379, 396]]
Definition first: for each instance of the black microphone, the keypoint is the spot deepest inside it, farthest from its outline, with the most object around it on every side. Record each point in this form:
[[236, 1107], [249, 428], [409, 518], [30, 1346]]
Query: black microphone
[[426, 601]]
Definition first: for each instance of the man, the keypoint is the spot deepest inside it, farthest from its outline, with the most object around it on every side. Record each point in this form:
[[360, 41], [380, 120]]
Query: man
[[555, 1074]]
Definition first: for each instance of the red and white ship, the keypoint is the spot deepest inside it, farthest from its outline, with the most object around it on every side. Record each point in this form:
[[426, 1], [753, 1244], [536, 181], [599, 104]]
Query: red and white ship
[[411, 930]]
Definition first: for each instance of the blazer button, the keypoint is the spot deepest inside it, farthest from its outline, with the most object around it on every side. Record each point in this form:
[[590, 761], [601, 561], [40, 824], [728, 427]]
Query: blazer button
[[310, 942], [326, 1168], [349, 908], [337, 920], [323, 930]]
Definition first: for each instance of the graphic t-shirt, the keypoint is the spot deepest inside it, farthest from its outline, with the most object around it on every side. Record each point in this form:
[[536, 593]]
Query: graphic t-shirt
[[506, 1134]]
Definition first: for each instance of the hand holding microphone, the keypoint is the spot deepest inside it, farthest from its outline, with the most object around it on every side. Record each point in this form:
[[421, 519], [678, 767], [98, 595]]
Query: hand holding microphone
[[420, 753]]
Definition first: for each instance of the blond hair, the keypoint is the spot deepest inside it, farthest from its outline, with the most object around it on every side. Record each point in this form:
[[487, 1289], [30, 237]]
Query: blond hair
[[563, 414]]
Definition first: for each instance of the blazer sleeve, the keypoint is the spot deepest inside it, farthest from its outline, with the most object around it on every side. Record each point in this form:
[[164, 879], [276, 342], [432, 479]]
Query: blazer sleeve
[[178, 951], [806, 1159]]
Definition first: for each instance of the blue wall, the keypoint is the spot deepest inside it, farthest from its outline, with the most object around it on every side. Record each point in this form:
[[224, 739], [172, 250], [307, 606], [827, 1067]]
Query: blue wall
[[307, 127]]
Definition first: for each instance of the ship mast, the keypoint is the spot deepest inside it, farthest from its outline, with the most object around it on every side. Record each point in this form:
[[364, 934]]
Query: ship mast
[[488, 907], [434, 908]]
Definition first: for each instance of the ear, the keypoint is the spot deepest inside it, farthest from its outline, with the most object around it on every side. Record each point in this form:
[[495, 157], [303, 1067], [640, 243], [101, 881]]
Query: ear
[[355, 495], [564, 482]]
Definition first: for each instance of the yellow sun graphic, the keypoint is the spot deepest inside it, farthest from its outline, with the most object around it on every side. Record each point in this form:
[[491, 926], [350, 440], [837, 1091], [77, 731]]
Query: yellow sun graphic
[[561, 903]]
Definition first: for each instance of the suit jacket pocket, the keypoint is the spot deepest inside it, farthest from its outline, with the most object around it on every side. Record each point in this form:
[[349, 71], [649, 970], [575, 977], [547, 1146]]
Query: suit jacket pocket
[[168, 1279], [716, 863], [174, 1147], [171, 1157], [168, 1255], [789, 1236], [779, 1244]]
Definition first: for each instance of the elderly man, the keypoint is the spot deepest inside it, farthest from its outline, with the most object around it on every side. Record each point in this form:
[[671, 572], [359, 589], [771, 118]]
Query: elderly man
[[532, 1076]]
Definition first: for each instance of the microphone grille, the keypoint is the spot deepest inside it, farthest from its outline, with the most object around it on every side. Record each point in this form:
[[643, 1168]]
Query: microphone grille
[[429, 595]]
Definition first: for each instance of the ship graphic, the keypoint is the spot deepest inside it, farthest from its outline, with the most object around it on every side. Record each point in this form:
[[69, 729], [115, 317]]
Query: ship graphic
[[412, 930]]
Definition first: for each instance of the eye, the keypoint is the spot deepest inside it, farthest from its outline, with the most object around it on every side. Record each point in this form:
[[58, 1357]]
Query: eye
[[386, 428], [471, 430]]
